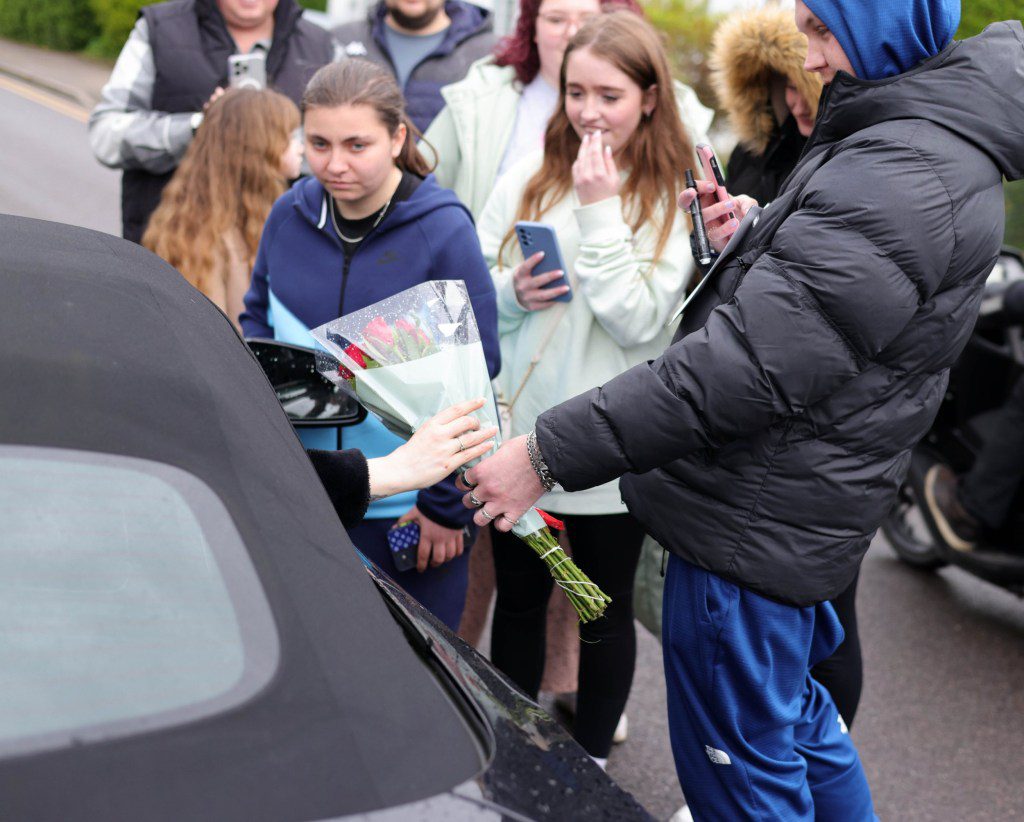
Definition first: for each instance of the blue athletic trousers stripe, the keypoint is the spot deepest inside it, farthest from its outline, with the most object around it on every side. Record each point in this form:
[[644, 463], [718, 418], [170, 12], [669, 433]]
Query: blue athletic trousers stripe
[[753, 735]]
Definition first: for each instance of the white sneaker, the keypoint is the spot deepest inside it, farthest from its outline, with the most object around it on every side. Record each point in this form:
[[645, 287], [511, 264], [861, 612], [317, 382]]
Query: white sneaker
[[621, 730], [682, 815]]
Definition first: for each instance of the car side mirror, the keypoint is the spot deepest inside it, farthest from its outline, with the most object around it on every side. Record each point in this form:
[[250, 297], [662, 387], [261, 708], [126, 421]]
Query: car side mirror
[[309, 399]]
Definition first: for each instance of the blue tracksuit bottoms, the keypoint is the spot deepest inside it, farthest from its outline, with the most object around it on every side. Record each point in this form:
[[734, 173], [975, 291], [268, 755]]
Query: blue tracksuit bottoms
[[753, 735]]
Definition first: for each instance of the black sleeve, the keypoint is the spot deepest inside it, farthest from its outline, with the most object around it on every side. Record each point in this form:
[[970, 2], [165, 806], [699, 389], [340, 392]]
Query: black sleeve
[[346, 477], [841, 280]]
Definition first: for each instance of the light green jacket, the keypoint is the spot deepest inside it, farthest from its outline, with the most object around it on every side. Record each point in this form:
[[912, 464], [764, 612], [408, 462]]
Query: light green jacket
[[616, 319], [473, 130]]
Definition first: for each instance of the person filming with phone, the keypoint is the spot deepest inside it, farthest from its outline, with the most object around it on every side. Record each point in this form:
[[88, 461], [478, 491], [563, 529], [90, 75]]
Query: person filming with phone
[[766, 444], [603, 191], [174, 64]]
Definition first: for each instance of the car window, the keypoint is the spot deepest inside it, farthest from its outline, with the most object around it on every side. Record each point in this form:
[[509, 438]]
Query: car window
[[127, 600]]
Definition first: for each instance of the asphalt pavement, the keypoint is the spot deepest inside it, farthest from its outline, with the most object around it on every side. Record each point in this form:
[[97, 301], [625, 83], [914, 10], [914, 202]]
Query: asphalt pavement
[[941, 723]]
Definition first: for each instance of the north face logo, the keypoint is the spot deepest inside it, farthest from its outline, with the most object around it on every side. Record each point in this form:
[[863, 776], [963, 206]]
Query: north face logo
[[717, 756], [389, 256]]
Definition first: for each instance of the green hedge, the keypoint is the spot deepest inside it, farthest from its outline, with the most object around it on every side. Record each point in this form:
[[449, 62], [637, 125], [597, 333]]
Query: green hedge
[[68, 25], [977, 14], [686, 27], [116, 18]]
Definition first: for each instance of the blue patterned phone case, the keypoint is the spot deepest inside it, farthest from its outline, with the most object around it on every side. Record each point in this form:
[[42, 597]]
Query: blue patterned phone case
[[404, 541]]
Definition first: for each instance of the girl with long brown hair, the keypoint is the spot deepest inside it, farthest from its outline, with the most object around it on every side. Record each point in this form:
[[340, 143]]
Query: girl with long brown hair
[[614, 159], [369, 223], [211, 214]]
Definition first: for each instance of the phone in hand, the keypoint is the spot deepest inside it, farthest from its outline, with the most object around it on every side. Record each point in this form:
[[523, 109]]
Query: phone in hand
[[248, 70], [403, 544], [534, 237], [713, 172]]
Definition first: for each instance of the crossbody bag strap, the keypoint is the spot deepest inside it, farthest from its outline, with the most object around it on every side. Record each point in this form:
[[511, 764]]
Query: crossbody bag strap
[[539, 353]]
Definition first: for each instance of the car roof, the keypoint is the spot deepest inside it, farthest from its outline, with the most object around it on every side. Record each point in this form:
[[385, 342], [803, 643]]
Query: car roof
[[105, 348]]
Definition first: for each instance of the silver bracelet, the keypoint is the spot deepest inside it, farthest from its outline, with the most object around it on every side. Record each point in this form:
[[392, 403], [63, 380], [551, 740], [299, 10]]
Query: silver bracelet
[[537, 461]]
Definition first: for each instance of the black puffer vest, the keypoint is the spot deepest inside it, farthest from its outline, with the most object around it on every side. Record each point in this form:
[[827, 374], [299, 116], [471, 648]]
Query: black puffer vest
[[191, 46]]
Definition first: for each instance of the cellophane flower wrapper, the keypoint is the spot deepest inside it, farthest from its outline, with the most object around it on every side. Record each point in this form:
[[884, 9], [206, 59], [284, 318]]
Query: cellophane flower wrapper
[[411, 356]]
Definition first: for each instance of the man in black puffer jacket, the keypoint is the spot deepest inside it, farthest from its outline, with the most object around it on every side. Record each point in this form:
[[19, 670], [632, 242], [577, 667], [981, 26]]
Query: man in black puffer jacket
[[767, 443]]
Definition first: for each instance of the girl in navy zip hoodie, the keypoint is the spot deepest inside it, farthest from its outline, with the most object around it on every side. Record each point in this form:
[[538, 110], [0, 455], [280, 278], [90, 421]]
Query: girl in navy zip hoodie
[[372, 222]]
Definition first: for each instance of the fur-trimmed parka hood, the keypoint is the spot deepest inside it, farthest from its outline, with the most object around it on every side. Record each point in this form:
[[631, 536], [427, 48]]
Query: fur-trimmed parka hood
[[748, 49]]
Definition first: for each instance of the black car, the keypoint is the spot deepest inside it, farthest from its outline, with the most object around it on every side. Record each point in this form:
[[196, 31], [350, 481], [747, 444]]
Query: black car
[[186, 631]]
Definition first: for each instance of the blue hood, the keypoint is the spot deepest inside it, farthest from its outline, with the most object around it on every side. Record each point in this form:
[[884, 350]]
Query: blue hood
[[883, 38]]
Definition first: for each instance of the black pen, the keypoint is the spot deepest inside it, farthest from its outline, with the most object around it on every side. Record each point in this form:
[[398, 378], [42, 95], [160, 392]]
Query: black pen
[[704, 253]]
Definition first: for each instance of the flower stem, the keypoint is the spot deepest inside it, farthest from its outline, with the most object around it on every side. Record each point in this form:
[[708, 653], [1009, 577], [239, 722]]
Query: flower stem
[[588, 600]]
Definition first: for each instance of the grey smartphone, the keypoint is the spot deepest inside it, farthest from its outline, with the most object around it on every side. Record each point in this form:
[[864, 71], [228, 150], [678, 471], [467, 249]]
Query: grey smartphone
[[248, 70], [534, 237]]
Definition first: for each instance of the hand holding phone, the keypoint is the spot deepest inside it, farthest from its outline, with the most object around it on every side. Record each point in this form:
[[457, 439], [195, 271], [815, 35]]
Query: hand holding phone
[[713, 173], [540, 279], [404, 541]]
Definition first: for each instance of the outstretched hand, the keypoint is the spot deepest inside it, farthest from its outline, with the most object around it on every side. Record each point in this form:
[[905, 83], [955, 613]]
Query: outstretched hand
[[503, 487], [442, 445]]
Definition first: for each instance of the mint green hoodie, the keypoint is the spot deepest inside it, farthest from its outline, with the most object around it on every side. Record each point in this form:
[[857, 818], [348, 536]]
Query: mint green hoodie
[[616, 319]]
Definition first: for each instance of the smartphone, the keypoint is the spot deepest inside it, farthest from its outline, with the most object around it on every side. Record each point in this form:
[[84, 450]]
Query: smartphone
[[713, 172], [248, 70], [534, 237], [404, 543]]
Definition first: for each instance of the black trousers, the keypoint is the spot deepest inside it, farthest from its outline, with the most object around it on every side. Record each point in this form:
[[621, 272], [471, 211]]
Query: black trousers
[[842, 674], [990, 486], [607, 549]]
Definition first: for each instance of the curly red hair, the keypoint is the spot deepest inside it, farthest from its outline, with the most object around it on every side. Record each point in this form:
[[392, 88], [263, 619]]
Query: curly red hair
[[519, 49]]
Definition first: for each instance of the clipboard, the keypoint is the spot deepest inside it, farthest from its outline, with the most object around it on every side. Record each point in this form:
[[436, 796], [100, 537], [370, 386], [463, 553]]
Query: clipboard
[[749, 220]]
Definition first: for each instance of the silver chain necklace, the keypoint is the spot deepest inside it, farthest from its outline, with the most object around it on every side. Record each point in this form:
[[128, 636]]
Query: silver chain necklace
[[380, 216]]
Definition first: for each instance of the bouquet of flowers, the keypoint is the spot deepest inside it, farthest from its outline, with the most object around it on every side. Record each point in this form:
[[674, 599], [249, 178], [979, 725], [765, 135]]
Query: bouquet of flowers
[[410, 356]]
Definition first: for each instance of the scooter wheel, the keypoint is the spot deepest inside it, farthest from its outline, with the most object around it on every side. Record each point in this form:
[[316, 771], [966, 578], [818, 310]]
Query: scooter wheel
[[905, 529]]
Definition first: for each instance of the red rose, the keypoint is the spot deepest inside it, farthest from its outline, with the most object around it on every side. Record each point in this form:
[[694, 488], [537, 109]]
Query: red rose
[[378, 331], [403, 324], [356, 354], [550, 521]]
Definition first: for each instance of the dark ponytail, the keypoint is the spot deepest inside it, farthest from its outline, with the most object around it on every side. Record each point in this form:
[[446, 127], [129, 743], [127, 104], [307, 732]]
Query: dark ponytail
[[358, 82]]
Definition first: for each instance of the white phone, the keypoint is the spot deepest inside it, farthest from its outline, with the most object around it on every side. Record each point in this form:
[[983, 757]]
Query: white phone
[[248, 70]]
